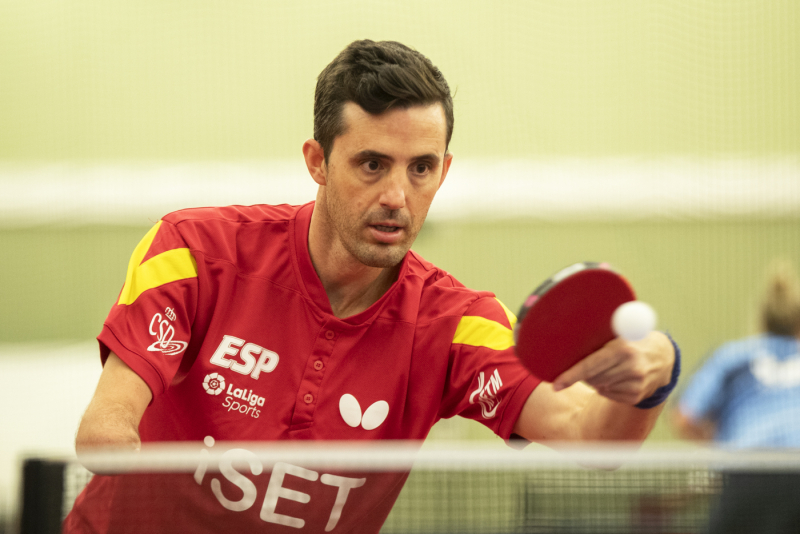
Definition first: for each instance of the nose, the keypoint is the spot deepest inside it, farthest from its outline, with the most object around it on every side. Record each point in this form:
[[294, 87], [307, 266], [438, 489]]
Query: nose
[[393, 195]]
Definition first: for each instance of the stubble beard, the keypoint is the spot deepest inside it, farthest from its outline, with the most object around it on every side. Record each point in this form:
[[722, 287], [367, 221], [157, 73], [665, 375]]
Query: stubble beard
[[350, 231]]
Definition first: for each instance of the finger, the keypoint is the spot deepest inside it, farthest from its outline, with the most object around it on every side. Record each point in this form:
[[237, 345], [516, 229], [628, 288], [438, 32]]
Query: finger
[[594, 364], [627, 368], [630, 391], [610, 376], [627, 365], [629, 398], [625, 378]]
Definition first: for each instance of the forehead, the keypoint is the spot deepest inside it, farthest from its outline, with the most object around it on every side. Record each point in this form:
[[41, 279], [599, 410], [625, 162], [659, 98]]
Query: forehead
[[419, 128]]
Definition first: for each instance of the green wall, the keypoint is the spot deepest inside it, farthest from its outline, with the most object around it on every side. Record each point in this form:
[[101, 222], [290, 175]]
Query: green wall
[[93, 82], [204, 79]]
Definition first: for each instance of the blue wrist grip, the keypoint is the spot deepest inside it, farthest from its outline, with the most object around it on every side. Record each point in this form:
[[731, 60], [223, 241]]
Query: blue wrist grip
[[661, 394]]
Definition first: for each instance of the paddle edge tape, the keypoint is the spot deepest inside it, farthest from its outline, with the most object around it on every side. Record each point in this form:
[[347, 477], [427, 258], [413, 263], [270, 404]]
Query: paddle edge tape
[[548, 284]]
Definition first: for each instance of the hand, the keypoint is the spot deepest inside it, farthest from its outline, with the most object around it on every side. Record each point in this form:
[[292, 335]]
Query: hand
[[624, 371]]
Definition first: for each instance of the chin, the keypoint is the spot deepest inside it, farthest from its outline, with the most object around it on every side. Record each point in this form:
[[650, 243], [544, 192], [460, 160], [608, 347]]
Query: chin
[[382, 256]]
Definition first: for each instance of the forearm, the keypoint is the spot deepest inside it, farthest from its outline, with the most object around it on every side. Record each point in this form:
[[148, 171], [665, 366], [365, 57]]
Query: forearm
[[112, 418], [581, 414], [603, 419], [688, 428], [107, 425]]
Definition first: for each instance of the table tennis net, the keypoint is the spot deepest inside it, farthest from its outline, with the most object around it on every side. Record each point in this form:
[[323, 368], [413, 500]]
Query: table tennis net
[[479, 489]]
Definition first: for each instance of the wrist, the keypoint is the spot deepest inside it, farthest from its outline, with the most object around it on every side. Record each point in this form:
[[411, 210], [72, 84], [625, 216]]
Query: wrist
[[661, 394]]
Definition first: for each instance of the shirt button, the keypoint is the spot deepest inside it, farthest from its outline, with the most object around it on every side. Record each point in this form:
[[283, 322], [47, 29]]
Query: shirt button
[[309, 398], [330, 334], [318, 365]]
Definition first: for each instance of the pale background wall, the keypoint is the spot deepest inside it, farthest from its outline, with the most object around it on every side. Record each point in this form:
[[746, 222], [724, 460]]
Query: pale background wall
[[660, 136]]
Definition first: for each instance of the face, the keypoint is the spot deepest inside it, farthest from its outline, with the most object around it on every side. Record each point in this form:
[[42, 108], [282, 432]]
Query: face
[[381, 177]]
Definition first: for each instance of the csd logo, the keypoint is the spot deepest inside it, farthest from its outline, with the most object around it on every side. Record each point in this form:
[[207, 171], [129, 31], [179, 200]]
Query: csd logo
[[164, 332]]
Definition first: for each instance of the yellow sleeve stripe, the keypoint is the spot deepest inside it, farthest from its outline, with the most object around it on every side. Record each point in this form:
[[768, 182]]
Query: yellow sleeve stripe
[[483, 332], [512, 319], [169, 266], [136, 258]]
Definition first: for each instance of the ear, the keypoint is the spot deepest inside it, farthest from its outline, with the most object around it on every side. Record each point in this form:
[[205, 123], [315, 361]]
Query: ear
[[448, 159], [315, 161]]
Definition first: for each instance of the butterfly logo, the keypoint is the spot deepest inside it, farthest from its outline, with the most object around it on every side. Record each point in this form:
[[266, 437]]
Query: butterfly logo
[[371, 418]]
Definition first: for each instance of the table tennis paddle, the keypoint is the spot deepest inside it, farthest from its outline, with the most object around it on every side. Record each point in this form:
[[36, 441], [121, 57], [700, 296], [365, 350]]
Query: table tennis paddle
[[569, 317]]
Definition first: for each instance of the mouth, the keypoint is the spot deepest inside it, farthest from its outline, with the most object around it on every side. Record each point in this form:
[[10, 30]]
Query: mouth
[[386, 233]]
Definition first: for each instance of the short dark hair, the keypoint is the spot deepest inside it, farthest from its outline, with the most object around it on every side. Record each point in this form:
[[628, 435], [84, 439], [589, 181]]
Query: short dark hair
[[377, 76]]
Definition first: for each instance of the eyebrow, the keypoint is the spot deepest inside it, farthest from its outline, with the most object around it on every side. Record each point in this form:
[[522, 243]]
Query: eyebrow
[[380, 155], [371, 154]]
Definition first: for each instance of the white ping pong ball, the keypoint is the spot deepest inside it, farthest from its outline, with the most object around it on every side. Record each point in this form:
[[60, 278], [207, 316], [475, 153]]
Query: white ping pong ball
[[633, 320]]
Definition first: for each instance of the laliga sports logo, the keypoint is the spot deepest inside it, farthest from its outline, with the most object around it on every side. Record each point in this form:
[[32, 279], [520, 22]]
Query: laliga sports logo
[[214, 384], [242, 400], [164, 333]]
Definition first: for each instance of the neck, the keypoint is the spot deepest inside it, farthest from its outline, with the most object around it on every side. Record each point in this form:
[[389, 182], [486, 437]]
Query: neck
[[351, 286]]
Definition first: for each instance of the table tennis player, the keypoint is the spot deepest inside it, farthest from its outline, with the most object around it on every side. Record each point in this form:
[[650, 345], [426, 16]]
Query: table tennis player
[[317, 322]]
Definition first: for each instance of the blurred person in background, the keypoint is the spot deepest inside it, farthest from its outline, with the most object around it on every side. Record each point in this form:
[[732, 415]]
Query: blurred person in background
[[747, 395], [748, 392]]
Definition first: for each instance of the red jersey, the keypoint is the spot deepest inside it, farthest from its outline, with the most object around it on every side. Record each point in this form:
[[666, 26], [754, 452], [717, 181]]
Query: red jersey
[[224, 317]]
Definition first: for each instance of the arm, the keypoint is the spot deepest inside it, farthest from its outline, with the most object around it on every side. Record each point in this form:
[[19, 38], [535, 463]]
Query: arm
[[695, 416], [112, 418], [621, 375], [689, 428]]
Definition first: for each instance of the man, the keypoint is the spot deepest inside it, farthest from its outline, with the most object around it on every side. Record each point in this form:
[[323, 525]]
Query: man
[[317, 322]]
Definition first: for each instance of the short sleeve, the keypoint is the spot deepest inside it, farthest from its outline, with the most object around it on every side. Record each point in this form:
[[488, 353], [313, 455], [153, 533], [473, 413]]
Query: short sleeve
[[149, 326], [486, 381], [704, 394]]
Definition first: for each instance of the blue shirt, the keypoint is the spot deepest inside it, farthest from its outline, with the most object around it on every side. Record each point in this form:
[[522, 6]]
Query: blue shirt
[[750, 389]]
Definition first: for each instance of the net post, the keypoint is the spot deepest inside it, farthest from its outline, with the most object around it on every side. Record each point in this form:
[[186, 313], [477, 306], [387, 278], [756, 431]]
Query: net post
[[42, 493]]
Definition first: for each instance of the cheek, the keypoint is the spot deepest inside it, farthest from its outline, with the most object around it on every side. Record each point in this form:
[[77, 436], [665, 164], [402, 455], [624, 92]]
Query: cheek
[[348, 191], [422, 201], [344, 206]]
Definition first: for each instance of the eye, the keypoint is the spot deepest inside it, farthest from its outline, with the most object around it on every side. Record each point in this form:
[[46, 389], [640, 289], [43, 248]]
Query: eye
[[422, 168], [372, 165]]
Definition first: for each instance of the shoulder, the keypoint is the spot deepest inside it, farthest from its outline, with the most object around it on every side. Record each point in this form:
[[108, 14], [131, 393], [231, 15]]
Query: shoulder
[[232, 215], [780, 346], [735, 354], [741, 348], [233, 232], [444, 296]]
